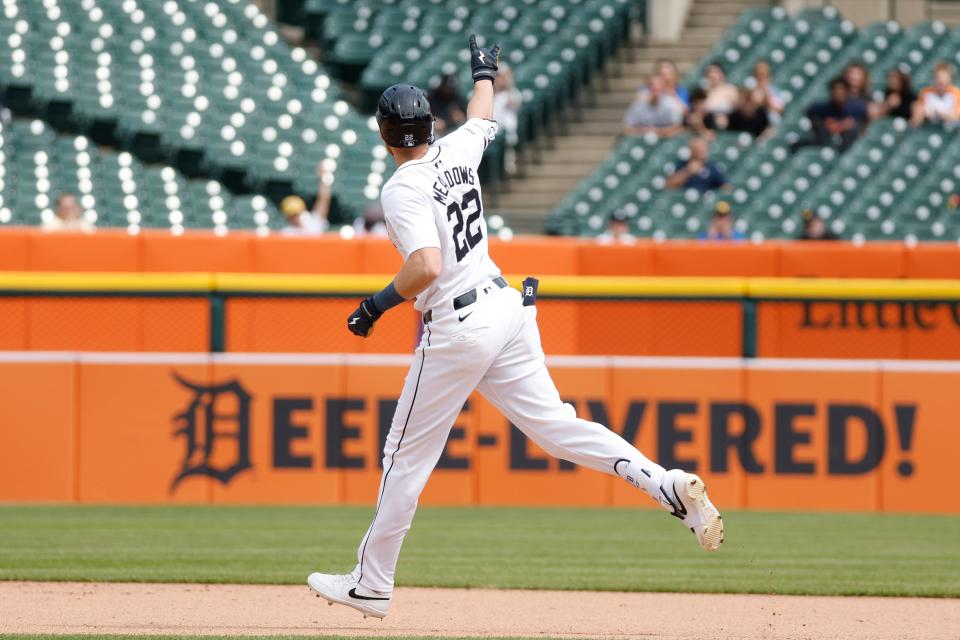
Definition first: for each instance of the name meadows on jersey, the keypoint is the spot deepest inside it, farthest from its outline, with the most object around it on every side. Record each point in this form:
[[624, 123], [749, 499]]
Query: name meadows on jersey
[[449, 179]]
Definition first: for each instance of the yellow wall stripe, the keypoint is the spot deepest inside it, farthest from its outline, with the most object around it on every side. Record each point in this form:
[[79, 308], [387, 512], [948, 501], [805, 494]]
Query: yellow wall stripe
[[554, 286]]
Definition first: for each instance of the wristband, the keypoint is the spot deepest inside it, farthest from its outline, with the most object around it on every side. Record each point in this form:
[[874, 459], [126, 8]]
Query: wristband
[[387, 298]]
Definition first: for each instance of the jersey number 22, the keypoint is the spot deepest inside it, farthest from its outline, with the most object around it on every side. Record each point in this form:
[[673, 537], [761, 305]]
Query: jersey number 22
[[464, 238]]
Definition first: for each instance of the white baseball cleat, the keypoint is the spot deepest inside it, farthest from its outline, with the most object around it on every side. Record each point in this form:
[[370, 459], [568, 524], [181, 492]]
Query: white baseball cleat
[[346, 590], [685, 496]]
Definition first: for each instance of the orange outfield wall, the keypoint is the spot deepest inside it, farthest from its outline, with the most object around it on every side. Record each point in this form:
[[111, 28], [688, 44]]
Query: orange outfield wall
[[568, 327], [27, 249], [825, 329], [772, 434]]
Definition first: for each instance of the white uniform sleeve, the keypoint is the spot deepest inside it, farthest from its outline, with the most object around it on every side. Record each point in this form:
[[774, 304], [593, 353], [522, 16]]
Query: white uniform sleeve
[[409, 218], [472, 138]]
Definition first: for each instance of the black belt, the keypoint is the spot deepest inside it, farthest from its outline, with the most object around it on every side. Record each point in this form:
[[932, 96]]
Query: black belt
[[465, 300]]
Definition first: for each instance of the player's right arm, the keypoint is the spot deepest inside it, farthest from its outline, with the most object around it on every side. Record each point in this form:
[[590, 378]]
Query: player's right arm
[[483, 64], [418, 272], [411, 226]]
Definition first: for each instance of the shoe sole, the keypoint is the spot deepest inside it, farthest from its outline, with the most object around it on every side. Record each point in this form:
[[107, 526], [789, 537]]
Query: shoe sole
[[331, 600], [712, 536]]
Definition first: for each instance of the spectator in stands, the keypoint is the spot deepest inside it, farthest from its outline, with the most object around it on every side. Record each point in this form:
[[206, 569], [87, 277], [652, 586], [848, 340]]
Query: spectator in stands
[[750, 114], [300, 221], [697, 119], [654, 111], [506, 111], [698, 172], [814, 228], [836, 122], [898, 97], [447, 105], [68, 216], [667, 70], [939, 103], [618, 229], [858, 80], [721, 95], [721, 224], [761, 83], [371, 223]]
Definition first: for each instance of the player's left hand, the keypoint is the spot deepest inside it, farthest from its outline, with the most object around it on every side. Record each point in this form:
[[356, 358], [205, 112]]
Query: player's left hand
[[483, 61], [361, 321]]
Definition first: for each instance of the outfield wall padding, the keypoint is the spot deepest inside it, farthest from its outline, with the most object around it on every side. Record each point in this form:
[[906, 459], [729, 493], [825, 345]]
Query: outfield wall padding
[[274, 428], [28, 249], [580, 315]]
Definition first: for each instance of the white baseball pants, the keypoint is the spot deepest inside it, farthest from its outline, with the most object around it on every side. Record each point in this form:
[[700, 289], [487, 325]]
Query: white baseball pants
[[496, 350]]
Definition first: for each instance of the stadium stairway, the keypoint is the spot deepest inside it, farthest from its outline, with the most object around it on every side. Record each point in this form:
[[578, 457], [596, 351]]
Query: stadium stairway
[[587, 139], [946, 11]]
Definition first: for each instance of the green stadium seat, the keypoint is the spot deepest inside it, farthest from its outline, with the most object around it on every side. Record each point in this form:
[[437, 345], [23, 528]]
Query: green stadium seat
[[582, 35], [114, 189], [165, 80], [895, 182]]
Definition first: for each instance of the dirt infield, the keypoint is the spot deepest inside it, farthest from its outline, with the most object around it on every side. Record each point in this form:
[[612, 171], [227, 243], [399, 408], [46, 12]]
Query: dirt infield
[[51, 607]]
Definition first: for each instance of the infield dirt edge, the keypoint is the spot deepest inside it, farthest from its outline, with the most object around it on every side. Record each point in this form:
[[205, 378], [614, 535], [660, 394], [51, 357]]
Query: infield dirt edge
[[238, 610]]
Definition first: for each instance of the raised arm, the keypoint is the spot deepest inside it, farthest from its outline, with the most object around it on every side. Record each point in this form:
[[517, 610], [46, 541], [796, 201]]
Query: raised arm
[[321, 206], [481, 103], [483, 63], [679, 177]]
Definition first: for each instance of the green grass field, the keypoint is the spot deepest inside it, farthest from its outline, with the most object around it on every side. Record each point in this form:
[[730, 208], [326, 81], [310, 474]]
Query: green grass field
[[597, 549]]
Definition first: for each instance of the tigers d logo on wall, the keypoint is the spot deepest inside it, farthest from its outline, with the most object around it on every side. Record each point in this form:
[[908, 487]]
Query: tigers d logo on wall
[[215, 427]]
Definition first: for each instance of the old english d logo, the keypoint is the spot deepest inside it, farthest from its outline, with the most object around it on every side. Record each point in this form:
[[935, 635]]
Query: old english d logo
[[216, 427]]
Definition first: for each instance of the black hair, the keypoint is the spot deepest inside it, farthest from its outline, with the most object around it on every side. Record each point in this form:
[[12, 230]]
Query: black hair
[[839, 82]]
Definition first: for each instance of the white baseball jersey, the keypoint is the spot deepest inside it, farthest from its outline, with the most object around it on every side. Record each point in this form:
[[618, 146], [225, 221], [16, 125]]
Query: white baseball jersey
[[436, 201], [938, 107], [493, 347]]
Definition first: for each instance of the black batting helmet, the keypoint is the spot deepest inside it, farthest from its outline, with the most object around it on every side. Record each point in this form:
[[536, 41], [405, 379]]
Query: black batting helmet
[[404, 116]]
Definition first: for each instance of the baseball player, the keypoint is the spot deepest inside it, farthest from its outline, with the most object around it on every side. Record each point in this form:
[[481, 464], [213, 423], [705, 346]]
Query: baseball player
[[479, 333]]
